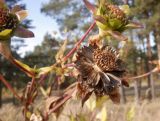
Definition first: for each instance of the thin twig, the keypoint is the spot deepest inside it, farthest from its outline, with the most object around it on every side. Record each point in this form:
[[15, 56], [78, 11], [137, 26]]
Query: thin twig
[[10, 87], [146, 74], [79, 42]]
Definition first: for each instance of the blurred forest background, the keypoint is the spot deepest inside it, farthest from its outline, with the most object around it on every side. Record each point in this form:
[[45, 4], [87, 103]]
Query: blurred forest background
[[141, 53]]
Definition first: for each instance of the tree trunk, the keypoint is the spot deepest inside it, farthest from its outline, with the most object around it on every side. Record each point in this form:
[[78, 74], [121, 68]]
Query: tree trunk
[[137, 90], [0, 94], [149, 67], [122, 94]]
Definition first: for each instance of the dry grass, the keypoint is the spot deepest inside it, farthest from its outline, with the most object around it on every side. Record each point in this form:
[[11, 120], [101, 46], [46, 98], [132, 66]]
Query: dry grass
[[146, 111]]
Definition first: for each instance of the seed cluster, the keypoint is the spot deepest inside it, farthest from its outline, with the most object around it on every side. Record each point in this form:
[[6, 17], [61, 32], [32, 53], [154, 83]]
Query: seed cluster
[[116, 12], [7, 20], [105, 58]]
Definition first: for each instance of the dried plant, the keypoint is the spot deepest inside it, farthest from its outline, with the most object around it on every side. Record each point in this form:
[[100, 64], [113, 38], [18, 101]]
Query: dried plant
[[100, 69]]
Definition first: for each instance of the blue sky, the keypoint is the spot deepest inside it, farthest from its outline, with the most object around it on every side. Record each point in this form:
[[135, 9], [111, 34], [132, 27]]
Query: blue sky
[[42, 24]]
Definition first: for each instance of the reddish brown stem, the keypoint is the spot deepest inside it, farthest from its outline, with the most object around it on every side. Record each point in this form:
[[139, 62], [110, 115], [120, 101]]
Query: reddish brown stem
[[79, 42], [67, 96], [146, 74], [9, 87], [32, 74]]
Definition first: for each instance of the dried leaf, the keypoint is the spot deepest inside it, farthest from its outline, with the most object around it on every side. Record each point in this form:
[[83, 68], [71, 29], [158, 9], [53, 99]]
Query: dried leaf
[[16, 8], [61, 51], [100, 19], [86, 97], [90, 6], [115, 96], [134, 25], [125, 83], [117, 35], [2, 3], [22, 14], [23, 33]]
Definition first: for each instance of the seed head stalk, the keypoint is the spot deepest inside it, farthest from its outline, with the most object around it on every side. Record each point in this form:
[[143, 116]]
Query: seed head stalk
[[79, 42]]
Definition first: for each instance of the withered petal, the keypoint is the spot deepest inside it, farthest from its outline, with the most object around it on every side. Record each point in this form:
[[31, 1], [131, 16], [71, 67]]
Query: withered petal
[[115, 96]]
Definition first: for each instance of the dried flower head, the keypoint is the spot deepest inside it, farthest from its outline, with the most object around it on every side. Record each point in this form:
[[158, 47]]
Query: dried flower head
[[8, 20], [100, 71]]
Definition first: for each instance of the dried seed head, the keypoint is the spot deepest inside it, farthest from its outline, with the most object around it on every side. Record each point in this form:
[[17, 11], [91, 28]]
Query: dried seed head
[[116, 13], [99, 71], [7, 20], [105, 58]]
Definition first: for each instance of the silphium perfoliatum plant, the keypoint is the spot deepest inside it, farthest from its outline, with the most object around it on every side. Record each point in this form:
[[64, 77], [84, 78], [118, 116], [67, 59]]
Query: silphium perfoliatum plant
[[100, 72], [10, 25], [111, 19]]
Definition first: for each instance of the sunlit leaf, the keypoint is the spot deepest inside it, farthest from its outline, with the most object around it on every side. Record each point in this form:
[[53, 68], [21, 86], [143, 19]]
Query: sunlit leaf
[[61, 51], [5, 34], [23, 33], [134, 25], [43, 70], [29, 69], [22, 14]]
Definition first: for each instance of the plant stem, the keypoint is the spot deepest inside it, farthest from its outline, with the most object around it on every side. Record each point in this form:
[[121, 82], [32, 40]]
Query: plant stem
[[79, 42], [29, 73], [9, 87]]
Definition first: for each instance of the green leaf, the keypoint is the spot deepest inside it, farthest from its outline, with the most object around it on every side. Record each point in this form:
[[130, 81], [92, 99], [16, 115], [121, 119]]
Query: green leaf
[[44, 70], [115, 23], [6, 34]]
